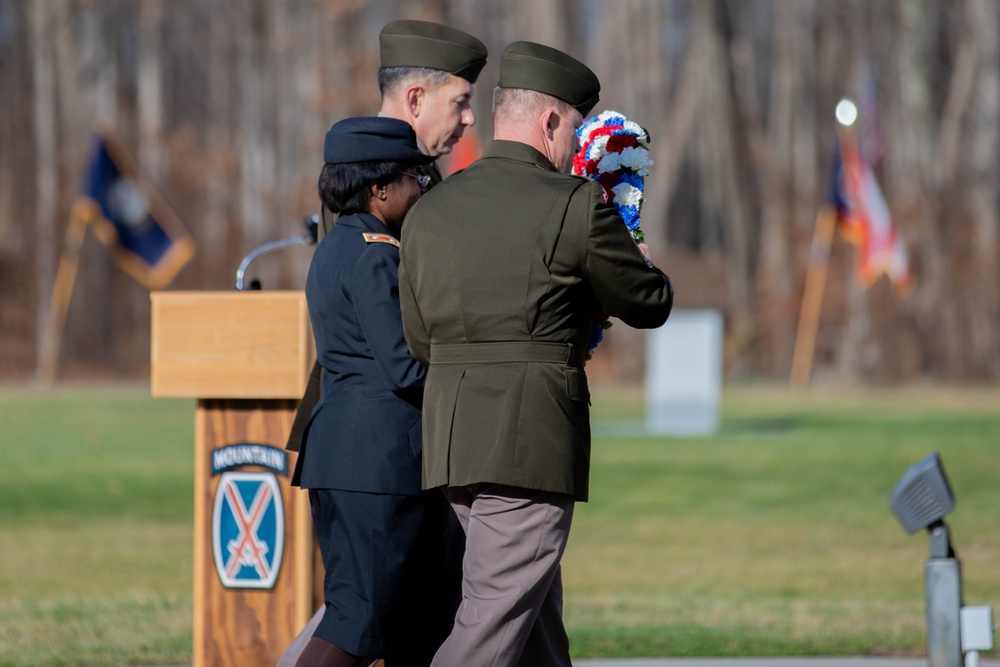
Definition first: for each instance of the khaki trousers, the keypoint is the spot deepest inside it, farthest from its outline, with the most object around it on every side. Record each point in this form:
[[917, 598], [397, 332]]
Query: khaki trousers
[[294, 650], [511, 610]]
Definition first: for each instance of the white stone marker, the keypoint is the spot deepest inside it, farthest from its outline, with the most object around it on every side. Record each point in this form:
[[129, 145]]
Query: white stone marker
[[684, 374]]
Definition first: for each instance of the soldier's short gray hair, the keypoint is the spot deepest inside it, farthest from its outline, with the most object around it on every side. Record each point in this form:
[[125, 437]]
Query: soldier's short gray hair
[[522, 103], [391, 79]]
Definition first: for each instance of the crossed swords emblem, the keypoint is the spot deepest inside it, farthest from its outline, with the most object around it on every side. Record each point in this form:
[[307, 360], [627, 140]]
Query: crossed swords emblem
[[246, 549]]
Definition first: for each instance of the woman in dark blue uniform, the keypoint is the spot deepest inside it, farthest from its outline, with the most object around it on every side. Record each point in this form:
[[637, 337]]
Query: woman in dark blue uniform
[[380, 536]]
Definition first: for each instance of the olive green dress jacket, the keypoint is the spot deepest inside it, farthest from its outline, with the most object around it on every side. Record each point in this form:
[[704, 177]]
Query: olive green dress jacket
[[502, 269]]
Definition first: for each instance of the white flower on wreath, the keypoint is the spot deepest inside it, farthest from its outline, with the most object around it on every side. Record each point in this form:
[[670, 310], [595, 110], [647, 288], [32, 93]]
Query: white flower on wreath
[[632, 158], [636, 129], [627, 194], [636, 159], [597, 148], [610, 162]]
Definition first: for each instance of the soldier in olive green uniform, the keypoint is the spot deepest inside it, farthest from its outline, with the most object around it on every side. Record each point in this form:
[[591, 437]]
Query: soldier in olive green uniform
[[425, 77], [503, 267]]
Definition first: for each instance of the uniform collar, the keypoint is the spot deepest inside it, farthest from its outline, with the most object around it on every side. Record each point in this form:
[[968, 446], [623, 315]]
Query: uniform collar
[[515, 150], [365, 222]]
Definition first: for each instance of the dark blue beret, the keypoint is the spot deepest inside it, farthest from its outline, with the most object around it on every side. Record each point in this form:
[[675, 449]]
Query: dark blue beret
[[372, 139]]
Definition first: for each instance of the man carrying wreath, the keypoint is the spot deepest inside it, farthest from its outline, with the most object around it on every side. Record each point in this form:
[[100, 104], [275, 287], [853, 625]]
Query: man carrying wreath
[[503, 267]]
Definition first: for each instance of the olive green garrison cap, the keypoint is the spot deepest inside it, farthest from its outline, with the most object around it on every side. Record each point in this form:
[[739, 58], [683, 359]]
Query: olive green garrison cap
[[550, 71], [431, 45]]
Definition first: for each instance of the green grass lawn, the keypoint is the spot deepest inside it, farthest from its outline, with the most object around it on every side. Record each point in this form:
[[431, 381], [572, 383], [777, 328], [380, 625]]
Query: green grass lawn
[[772, 538], [96, 506]]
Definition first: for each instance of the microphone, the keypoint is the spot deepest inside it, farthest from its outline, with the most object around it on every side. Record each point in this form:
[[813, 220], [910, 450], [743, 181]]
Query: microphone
[[311, 223]]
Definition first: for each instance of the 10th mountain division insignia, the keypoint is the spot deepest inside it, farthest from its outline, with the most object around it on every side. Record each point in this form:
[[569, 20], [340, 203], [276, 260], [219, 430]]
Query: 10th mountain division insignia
[[248, 529]]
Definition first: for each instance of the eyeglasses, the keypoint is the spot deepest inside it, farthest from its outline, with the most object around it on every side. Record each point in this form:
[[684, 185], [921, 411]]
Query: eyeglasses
[[423, 180]]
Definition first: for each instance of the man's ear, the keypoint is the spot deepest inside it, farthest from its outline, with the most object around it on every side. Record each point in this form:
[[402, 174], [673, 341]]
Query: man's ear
[[414, 99], [550, 123]]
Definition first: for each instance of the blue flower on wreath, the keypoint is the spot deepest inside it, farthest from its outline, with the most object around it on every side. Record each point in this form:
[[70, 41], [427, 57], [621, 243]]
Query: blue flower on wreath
[[630, 214], [614, 120], [633, 180]]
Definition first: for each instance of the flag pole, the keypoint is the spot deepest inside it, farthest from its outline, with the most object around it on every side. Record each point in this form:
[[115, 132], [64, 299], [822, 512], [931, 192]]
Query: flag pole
[[62, 293], [812, 299], [819, 259]]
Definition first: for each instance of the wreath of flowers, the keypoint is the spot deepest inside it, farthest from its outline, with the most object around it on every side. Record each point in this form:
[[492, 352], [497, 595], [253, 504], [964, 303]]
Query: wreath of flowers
[[614, 151]]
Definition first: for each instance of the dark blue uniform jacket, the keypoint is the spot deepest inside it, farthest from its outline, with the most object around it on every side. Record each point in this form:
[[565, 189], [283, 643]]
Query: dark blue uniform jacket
[[364, 434]]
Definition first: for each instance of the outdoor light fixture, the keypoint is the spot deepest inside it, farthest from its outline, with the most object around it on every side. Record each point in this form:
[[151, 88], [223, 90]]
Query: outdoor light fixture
[[921, 499]]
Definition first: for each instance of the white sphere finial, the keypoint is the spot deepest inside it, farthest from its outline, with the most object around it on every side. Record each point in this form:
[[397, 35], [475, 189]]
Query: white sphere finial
[[846, 112]]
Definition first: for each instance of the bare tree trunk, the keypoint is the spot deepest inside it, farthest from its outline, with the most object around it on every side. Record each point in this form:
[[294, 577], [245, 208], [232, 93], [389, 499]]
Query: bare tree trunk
[[91, 319], [150, 90], [776, 191], [257, 163], [804, 133], [914, 198], [772, 154], [542, 21], [857, 333], [46, 156], [287, 117], [854, 339], [983, 149], [673, 122], [299, 131], [960, 89], [548, 18], [217, 232], [722, 195]]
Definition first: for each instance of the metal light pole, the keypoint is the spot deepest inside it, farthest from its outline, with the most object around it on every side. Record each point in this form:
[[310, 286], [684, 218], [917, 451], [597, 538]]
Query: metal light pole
[[921, 500]]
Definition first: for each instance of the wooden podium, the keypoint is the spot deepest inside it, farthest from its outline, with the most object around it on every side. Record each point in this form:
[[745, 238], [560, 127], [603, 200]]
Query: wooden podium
[[246, 357]]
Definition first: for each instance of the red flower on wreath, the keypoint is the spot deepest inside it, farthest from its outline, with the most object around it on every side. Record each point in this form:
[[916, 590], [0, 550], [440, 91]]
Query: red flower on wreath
[[619, 142]]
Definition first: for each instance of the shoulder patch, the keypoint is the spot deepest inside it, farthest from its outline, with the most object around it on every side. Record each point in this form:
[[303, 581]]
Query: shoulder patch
[[380, 238]]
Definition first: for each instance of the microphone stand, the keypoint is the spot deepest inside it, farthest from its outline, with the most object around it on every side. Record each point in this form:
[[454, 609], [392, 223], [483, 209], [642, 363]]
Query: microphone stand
[[312, 224]]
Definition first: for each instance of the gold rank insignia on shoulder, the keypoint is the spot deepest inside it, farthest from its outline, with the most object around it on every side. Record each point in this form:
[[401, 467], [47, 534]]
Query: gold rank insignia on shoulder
[[380, 238]]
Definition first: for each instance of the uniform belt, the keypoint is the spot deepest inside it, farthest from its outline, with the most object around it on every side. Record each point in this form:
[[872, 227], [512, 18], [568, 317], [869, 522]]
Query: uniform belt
[[499, 353]]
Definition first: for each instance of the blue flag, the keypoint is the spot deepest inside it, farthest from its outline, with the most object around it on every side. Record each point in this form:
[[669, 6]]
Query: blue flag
[[144, 235]]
